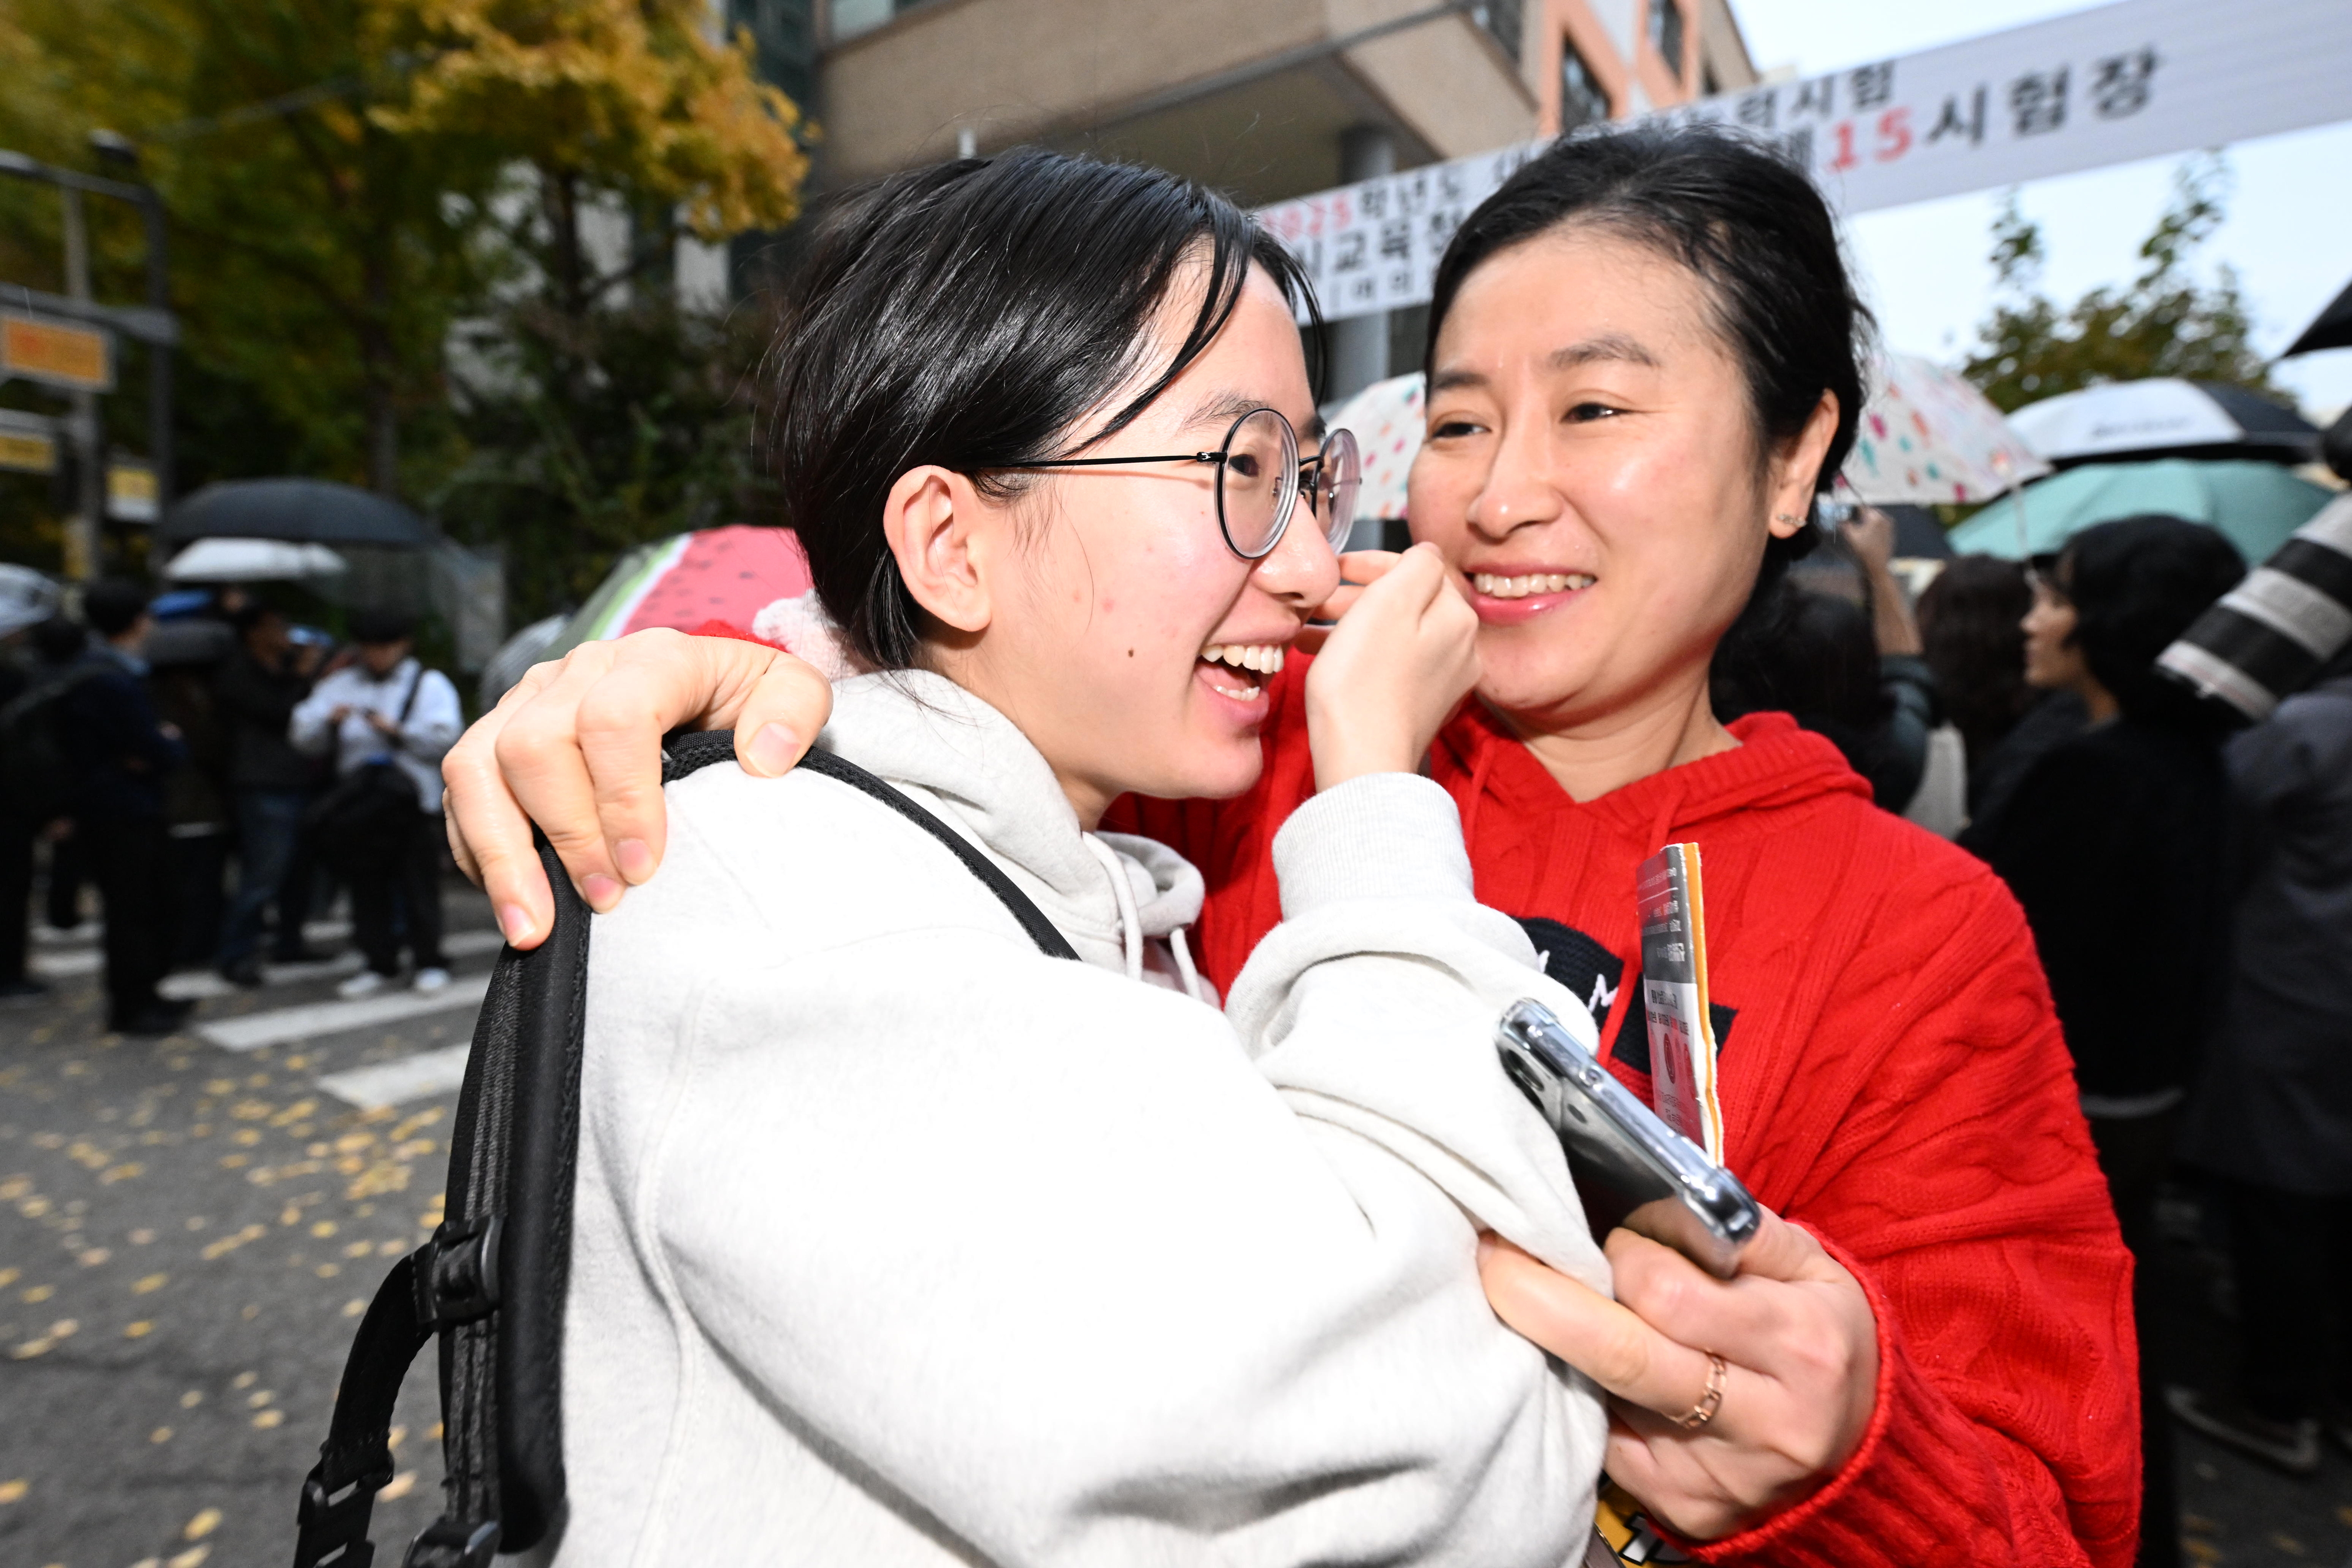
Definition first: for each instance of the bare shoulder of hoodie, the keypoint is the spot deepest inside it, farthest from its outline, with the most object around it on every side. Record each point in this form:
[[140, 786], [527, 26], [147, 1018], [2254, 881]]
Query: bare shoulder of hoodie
[[898, 1241]]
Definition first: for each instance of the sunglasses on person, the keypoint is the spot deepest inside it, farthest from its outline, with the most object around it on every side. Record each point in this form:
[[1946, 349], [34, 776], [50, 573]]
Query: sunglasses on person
[[1260, 478]]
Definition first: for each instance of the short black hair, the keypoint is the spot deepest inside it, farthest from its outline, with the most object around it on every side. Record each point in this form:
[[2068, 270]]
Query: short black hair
[[380, 626], [252, 613], [970, 315], [2136, 583], [1973, 637], [1753, 229], [113, 605]]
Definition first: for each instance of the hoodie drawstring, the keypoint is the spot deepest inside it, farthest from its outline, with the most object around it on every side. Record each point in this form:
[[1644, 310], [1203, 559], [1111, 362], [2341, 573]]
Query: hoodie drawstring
[[1194, 987], [1130, 923]]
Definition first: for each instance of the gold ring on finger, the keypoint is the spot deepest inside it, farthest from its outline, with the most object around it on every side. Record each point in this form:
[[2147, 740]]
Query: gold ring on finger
[[1712, 1400]]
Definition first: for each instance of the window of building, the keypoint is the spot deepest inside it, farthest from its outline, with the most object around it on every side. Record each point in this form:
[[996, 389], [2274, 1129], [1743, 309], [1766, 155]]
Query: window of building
[[1583, 100], [784, 34], [1504, 19], [1666, 34], [850, 18]]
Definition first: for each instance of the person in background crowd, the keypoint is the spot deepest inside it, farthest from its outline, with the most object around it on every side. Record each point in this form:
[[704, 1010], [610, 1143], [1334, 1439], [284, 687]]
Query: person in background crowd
[[2115, 843], [264, 679], [2271, 1114], [384, 705], [182, 655], [1972, 636], [59, 644], [1854, 677], [120, 753], [26, 599]]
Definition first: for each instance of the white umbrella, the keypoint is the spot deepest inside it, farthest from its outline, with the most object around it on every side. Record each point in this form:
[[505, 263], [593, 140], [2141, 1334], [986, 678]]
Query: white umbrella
[[252, 560], [2163, 417], [27, 599]]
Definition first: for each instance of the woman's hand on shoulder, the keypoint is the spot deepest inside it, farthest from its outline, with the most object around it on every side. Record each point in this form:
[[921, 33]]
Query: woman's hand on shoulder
[[1799, 1347], [575, 747], [1402, 657]]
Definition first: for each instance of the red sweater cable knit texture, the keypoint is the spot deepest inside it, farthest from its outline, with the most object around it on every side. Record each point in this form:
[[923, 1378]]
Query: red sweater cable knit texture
[[1892, 1079]]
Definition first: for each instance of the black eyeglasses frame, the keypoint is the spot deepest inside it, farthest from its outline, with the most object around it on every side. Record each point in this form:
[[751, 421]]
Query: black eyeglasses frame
[[1220, 457]]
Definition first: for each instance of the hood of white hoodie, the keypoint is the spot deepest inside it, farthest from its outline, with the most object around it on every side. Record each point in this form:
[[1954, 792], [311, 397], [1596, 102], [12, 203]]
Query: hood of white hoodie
[[959, 756]]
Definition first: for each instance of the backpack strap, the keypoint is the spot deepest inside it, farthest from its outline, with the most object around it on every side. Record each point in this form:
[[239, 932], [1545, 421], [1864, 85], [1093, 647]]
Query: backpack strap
[[492, 1281]]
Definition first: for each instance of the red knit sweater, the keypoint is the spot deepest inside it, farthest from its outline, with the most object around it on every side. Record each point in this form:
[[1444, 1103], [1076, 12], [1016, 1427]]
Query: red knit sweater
[[1892, 1079]]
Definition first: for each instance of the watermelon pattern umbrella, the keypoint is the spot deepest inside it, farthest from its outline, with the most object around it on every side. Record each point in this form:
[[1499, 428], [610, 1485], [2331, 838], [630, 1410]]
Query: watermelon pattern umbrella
[[710, 580]]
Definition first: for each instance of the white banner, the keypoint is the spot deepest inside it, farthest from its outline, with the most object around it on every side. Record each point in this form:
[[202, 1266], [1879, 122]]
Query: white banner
[[2132, 80]]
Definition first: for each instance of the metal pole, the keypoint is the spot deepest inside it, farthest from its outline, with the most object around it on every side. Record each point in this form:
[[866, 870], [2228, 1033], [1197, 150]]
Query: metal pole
[[159, 355], [82, 530]]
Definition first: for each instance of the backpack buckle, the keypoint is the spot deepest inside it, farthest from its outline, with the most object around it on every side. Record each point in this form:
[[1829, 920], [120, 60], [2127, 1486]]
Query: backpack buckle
[[458, 1274], [451, 1543], [333, 1522]]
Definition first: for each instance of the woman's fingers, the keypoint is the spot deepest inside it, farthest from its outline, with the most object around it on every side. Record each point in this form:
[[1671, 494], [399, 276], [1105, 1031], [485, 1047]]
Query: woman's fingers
[[788, 704], [1608, 1343], [658, 682], [540, 757], [1362, 566], [488, 833]]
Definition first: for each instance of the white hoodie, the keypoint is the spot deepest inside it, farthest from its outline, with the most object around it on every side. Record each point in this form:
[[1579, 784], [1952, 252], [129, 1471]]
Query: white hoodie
[[900, 1243]]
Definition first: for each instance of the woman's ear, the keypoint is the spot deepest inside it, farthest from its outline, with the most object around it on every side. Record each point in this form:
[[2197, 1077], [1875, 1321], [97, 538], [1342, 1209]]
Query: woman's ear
[[1800, 462], [933, 520]]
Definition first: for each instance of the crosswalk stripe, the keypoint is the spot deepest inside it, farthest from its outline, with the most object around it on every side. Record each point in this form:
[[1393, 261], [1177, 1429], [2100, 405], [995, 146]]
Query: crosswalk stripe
[[198, 985], [414, 1077], [204, 983], [281, 1025]]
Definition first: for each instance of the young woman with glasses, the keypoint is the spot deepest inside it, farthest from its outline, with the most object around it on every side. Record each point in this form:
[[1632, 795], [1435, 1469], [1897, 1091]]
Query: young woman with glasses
[[899, 1241], [1644, 364]]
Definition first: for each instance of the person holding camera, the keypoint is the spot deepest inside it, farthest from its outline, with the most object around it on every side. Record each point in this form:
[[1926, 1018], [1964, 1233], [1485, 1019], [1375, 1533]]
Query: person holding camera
[[388, 721]]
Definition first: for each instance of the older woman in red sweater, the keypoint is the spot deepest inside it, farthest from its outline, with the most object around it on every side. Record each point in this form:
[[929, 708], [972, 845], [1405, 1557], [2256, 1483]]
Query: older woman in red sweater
[[1643, 367]]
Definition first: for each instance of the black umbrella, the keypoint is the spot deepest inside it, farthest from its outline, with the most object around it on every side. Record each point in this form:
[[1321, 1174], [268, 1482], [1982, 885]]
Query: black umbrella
[[314, 511], [2332, 330]]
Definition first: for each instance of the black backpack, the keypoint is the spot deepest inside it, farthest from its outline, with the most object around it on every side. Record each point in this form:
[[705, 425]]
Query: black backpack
[[36, 776], [492, 1280]]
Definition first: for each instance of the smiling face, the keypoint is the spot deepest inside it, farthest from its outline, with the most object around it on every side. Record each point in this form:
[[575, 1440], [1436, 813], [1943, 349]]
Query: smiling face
[[1591, 472], [1105, 588]]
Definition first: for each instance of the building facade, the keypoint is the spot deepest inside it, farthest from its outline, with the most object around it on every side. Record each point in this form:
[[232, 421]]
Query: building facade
[[1265, 100]]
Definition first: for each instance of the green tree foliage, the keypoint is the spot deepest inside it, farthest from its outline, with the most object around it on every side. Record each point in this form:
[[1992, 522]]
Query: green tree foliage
[[2164, 323], [589, 434], [355, 184]]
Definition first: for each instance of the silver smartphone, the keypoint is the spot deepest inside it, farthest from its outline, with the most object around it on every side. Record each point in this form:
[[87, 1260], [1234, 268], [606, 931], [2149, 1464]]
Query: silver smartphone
[[1631, 1168]]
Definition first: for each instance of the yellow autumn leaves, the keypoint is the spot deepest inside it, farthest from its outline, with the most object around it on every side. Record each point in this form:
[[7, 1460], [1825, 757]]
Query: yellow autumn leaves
[[635, 94]]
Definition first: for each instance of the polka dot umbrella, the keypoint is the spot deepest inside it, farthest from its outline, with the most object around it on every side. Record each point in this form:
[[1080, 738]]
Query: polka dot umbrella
[[1387, 419], [1927, 437]]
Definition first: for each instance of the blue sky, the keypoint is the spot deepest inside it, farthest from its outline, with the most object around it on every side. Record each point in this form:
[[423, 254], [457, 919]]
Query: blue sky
[[2289, 233]]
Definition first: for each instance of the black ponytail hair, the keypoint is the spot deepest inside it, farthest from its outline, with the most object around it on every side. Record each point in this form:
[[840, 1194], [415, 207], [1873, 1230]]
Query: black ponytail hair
[[970, 315], [1752, 228]]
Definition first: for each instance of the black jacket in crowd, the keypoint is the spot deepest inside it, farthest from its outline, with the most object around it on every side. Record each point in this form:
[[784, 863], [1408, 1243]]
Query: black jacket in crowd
[[254, 703], [2274, 1106], [117, 751], [2116, 842]]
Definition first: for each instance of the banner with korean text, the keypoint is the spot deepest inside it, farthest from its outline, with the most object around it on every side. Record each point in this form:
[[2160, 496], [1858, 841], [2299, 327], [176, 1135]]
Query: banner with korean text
[[2136, 80]]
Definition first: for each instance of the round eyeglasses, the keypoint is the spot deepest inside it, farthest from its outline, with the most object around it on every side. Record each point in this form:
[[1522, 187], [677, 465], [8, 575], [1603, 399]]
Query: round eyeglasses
[[1260, 478]]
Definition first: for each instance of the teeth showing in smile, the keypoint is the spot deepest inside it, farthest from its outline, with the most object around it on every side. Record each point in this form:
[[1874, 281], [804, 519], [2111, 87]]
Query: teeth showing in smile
[[1266, 658], [1494, 587]]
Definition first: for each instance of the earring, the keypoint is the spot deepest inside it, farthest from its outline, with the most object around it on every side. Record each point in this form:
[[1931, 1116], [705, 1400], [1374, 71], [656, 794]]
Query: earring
[[1787, 518]]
